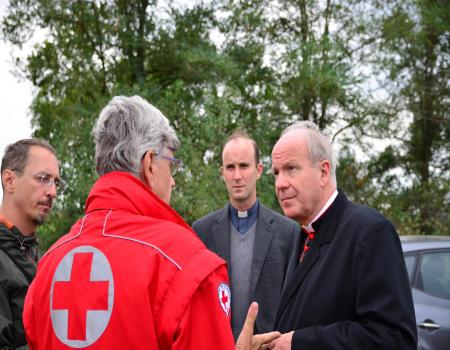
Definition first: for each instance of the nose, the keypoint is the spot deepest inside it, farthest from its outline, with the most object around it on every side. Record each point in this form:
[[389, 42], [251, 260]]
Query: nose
[[172, 182], [51, 190], [281, 182], [237, 174]]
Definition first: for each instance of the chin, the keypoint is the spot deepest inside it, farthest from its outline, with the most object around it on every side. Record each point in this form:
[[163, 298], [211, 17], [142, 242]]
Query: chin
[[39, 219], [240, 196], [286, 212], [291, 213]]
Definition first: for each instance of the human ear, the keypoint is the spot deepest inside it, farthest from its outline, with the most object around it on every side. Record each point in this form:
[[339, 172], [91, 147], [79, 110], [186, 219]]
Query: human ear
[[325, 168], [260, 168], [148, 169], [8, 180]]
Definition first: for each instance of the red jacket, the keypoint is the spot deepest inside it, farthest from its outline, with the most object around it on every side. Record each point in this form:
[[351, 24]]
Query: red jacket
[[131, 274]]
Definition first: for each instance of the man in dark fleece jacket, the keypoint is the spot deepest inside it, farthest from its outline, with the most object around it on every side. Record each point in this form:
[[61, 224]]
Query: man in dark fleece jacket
[[30, 182]]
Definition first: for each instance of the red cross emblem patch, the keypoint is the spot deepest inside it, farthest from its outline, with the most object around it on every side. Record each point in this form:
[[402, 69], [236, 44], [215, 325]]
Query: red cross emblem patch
[[224, 294], [81, 297]]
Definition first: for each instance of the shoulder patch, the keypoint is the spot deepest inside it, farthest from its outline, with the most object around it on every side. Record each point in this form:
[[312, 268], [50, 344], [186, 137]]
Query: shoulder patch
[[224, 294]]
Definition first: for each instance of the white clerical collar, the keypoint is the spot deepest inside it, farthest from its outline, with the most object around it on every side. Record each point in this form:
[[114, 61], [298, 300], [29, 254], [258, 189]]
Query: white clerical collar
[[242, 214], [330, 201]]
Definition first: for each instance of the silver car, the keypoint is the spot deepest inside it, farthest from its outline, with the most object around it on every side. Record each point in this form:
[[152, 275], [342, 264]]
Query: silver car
[[428, 262]]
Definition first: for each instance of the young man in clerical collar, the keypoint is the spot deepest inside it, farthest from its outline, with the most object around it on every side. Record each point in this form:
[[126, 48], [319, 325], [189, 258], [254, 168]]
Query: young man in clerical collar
[[248, 236]]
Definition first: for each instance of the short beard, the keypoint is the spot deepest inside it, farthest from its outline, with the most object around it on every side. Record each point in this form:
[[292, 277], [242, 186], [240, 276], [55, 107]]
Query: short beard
[[39, 219]]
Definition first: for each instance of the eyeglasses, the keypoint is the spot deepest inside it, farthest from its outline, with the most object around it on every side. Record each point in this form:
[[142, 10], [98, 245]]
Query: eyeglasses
[[175, 163], [48, 181]]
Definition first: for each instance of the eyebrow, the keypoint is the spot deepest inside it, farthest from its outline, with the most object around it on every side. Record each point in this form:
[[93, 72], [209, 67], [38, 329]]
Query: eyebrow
[[237, 163], [44, 173], [289, 163]]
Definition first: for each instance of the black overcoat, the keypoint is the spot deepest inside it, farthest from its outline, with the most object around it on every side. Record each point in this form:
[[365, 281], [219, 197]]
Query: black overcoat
[[351, 290]]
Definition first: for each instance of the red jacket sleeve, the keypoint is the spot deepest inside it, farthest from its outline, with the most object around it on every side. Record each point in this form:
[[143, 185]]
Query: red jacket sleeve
[[205, 324], [28, 318]]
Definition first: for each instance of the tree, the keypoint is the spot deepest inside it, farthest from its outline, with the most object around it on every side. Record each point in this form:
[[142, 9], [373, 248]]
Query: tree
[[94, 50], [255, 65], [302, 60], [415, 54]]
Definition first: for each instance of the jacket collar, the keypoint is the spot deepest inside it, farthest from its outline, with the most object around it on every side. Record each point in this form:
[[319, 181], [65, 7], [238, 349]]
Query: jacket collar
[[13, 233], [221, 233], [6, 222], [124, 192], [325, 228], [265, 231]]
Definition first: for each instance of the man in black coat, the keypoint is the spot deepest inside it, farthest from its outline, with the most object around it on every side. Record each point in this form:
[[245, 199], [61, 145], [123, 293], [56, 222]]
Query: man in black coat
[[346, 285]]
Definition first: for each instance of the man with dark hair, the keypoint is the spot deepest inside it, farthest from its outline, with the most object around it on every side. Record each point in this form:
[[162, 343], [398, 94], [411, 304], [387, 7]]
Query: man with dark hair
[[131, 274], [30, 183], [255, 241], [346, 285]]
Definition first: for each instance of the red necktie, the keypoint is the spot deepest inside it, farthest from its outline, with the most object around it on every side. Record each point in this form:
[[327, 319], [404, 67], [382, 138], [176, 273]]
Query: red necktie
[[309, 231]]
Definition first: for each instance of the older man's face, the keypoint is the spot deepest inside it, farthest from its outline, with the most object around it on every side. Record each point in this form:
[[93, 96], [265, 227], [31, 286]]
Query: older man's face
[[163, 182], [298, 183]]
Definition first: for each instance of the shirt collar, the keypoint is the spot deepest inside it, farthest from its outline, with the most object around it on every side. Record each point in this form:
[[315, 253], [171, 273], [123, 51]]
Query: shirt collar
[[246, 213], [309, 227], [244, 220]]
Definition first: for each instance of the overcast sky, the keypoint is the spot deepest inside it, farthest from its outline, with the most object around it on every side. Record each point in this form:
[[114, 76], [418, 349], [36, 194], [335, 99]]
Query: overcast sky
[[15, 96]]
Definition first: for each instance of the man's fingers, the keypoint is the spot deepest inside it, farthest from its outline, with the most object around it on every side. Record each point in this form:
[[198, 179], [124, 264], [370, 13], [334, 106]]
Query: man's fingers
[[265, 338], [244, 341], [252, 313], [247, 340]]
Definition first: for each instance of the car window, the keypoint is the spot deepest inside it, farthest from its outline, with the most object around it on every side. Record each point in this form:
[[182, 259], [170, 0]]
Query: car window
[[410, 261], [435, 274]]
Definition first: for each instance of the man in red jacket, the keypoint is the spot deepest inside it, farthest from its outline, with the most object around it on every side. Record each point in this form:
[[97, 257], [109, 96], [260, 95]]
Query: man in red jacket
[[131, 274]]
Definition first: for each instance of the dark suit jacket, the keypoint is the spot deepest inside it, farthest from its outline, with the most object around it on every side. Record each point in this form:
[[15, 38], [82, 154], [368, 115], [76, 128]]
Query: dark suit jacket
[[274, 241], [351, 290]]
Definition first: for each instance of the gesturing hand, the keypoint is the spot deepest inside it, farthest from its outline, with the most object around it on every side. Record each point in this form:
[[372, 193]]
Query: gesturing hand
[[248, 341]]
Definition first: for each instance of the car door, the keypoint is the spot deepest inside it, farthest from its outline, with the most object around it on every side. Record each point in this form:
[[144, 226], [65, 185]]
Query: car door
[[431, 294]]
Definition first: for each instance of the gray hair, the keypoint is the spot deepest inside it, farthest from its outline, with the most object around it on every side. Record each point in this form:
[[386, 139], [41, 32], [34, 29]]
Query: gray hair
[[319, 145], [126, 129]]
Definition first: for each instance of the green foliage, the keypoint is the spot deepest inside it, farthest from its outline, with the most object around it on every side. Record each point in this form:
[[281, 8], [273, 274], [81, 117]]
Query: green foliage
[[272, 62], [415, 54]]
